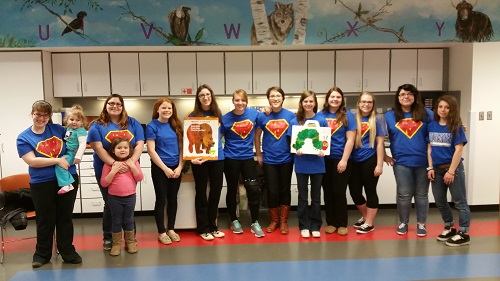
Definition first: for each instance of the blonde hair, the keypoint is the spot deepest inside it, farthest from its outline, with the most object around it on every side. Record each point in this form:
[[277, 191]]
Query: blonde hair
[[77, 111], [372, 121]]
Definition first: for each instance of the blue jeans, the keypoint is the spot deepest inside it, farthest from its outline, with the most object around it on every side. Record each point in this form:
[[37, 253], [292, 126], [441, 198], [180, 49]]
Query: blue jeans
[[122, 212], [309, 216], [458, 195], [412, 182]]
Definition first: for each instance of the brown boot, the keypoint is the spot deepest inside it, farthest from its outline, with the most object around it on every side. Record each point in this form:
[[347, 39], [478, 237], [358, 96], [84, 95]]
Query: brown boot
[[284, 212], [116, 247], [130, 242], [275, 220]]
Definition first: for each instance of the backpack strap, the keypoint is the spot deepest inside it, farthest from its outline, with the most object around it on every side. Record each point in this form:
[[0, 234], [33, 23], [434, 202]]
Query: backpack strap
[[5, 219]]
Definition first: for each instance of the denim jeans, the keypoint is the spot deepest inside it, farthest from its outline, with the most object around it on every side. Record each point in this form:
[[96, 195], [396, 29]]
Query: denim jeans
[[309, 216], [412, 182], [458, 195]]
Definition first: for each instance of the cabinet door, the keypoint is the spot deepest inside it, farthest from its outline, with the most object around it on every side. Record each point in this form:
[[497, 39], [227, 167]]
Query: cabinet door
[[376, 70], [182, 73], [294, 71], [430, 69], [154, 74], [238, 72], [125, 74], [320, 71], [210, 69], [266, 71], [66, 75], [403, 68], [148, 196], [95, 74], [349, 70]]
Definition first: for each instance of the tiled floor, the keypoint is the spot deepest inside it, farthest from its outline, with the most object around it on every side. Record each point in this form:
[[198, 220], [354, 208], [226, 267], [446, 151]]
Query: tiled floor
[[379, 255]]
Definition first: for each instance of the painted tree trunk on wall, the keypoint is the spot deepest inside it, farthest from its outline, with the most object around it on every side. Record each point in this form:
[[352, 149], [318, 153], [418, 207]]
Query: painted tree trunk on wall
[[260, 22], [301, 12]]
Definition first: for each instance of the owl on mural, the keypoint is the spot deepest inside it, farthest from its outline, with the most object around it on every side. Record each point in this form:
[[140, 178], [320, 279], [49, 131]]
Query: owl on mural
[[76, 23], [179, 22]]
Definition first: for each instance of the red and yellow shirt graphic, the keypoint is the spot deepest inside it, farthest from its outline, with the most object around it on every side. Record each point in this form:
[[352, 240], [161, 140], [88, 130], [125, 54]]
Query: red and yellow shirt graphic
[[277, 127], [124, 134], [333, 124], [409, 126], [51, 147], [242, 128], [365, 127]]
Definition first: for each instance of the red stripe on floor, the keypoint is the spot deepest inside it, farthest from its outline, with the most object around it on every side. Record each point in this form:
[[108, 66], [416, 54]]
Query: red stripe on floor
[[190, 238]]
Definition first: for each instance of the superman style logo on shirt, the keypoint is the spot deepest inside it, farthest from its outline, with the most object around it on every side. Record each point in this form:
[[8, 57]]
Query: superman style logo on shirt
[[123, 134], [333, 124], [242, 128], [409, 127], [51, 147], [365, 127], [277, 127]]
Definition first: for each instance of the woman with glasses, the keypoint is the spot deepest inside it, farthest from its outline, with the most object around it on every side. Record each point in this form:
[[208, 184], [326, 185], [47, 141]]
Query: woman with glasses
[[205, 171], [407, 128], [41, 146], [113, 122]]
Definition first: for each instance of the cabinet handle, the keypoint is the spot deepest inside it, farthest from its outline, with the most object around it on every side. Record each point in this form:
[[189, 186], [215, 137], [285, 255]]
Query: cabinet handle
[[413, 81], [248, 86], [85, 87], [137, 87], [365, 83], [144, 86], [311, 85], [256, 86], [419, 81], [78, 87], [96, 203]]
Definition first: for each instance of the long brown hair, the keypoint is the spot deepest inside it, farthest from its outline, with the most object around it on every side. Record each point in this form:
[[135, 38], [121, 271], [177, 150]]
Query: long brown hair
[[417, 108], [174, 120], [453, 122], [104, 118], [372, 121], [341, 114], [301, 115], [214, 108]]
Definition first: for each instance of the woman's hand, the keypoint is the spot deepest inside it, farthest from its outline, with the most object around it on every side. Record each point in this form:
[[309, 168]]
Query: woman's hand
[[177, 172], [123, 167], [168, 172], [378, 171], [430, 175], [321, 153], [198, 161], [389, 160], [341, 166], [298, 152], [259, 159], [63, 163], [448, 177]]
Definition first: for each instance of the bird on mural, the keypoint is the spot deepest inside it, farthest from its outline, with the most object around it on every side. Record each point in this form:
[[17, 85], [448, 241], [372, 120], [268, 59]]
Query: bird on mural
[[76, 23], [179, 22]]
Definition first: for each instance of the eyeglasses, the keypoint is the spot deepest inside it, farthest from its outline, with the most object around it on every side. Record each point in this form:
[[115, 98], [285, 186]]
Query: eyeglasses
[[366, 102], [275, 96], [206, 95], [44, 116], [401, 95], [117, 104]]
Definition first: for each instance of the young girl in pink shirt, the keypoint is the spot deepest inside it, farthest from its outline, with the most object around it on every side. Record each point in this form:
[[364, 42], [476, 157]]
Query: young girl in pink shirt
[[121, 180]]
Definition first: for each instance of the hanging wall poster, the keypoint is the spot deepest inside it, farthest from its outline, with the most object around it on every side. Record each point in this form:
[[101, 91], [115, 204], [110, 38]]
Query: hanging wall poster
[[201, 138], [310, 138]]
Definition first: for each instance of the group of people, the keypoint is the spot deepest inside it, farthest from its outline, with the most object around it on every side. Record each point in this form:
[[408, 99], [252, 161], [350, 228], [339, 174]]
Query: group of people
[[425, 146]]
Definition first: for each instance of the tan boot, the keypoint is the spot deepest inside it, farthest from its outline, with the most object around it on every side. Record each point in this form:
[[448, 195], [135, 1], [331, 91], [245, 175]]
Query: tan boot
[[284, 212], [116, 247], [275, 220], [130, 242]]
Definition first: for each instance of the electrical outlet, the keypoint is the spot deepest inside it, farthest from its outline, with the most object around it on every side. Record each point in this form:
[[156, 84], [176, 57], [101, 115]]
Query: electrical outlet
[[489, 115], [481, 115]]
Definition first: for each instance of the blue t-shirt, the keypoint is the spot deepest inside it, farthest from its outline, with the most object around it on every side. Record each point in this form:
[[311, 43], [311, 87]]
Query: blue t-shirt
[[361, 154], [220, 151], [308, 163], [408, 138], [239, 133], [106, 134], [339, 131], [48, 144], [275, 143], [166, 142], [443, 143]]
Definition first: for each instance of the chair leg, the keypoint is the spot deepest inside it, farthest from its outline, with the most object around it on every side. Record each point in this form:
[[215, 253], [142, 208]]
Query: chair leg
[[3, 247]]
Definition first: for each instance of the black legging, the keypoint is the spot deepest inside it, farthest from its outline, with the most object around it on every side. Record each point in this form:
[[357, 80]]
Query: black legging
[[362, 176], [166, 190], [278, 181], [334, 192]]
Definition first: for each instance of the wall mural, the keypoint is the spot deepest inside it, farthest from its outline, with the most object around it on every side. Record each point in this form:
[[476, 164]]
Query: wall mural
[[59, 23]]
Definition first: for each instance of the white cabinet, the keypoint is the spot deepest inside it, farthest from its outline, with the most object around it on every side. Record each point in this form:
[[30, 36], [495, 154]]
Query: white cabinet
[[210, 70], [293, 71], [376, 70], [182, 73], [349, 70], [21, 77], [358, 70], [430, 69], [139, 74], [67, 80], [403, 67], [320, 71], [147, 191], [95, 74], [238, 72], [266, 71]]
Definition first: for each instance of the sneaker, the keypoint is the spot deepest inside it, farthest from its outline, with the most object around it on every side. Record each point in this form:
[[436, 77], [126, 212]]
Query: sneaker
[[65, 189], [447, 233], [316, 234], [106, 246], [460, 239], [304, 233], [364, 228], [421, 231], [359, 223], [257, 230], [218, 234], [402, 229], [207, 236], [236, 227]]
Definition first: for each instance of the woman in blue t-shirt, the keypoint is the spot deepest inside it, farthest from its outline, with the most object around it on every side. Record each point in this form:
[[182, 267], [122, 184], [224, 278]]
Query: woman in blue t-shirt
[[164, 144], [407, 128], [367, 161], [446, 171]]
